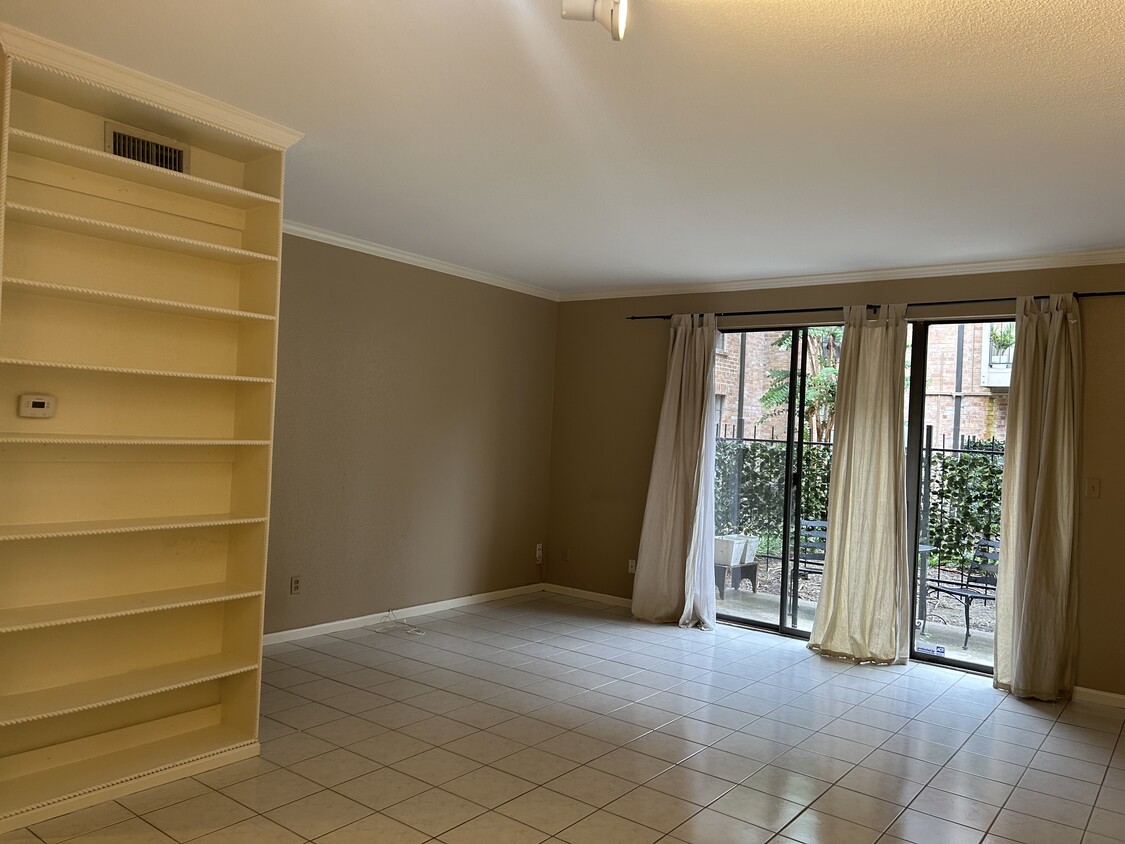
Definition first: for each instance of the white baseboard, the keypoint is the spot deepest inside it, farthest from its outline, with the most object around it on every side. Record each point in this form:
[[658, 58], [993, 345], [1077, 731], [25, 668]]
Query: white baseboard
[[583, 593], [404, 612], [1095, 696], [436, 606]]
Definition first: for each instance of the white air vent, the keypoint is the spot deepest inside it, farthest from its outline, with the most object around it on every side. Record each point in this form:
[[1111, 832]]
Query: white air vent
[[146, 147]]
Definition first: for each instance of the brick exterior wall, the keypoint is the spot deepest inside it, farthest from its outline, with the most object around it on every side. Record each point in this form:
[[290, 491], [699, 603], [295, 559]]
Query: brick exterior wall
[[984, 410]]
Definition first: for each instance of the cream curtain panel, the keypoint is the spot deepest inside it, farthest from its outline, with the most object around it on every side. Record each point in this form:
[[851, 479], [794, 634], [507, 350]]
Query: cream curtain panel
[[864, 608], [676, 560], [1036, 595]]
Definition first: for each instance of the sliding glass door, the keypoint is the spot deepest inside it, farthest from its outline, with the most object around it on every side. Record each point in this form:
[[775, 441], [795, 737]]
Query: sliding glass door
[[958, 414], [776, 397]]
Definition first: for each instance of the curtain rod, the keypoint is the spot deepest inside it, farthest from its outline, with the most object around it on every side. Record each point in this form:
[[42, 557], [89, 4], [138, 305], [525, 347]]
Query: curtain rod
[[1091, 295]]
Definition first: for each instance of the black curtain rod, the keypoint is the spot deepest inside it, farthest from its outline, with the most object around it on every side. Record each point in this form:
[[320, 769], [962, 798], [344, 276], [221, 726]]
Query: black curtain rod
[[1091, 295]]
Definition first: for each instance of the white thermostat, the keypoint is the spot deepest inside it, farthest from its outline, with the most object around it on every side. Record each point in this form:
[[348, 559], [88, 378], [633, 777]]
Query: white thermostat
[[37, 405]]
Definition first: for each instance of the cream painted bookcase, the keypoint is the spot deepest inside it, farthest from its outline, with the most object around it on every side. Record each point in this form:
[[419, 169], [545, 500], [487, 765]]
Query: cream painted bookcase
[[133, 522]]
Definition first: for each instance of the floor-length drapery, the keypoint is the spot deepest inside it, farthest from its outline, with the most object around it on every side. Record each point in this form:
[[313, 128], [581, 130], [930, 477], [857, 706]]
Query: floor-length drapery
[[675, 563], [864, 608], [1036, 596]]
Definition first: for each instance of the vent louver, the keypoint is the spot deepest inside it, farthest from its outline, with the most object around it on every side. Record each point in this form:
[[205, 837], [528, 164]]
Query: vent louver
[[146, 147]]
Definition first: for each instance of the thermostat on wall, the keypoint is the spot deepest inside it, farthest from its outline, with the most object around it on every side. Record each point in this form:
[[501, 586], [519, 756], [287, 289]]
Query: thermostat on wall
[[37, 405]]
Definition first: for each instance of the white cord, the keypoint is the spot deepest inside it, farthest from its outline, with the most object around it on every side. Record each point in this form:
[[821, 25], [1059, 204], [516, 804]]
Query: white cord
[[397, 623]]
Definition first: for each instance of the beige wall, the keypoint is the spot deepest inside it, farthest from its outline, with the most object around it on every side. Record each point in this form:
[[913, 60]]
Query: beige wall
[[609, 378], [412, 436]]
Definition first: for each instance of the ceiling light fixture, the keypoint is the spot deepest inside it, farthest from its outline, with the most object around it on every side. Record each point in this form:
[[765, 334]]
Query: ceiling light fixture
[[612, 14]]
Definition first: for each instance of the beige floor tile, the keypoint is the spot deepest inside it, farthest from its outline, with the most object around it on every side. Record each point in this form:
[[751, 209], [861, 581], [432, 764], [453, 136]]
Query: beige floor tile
[[1025, 829], [375, 829], [956, 808], [719, 763], [711, 827], [318, 814], [334, 767], [663, 746], [356, 701], [198, 816], [256, 830], [920, 828], [698, 731], [813, 827], [1110, 824], [591, 786], [382, 788], [1048, 807], [858, 808], [271, 790], [493, 828], [489, 787], [395, 715], [812, 764], [653, 808], [535, 765], [971, 786], [884, 786], [346, 730], [611, 730], [788, 785], [602, 827], [308, 715], [485, 747], [20, 836], [81, 822], [1069, 789], [434, 811], [630, 765], [438, 730], [481, 715], [546, 810], [236, 772], [526, 730], [289, 749], [390, 747], [436, 766], [576, 747], [757, 807], [152, 799], [693, 786], [134, 831]]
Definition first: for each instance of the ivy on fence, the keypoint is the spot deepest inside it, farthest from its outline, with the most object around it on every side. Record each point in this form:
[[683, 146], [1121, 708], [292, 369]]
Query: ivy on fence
[[963, 497]]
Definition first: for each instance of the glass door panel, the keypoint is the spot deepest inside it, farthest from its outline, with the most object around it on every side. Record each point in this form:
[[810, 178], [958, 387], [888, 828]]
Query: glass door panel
[[960, 465], [776, 393]]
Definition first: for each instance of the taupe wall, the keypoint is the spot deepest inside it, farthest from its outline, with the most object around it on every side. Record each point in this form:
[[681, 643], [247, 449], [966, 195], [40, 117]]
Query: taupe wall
[[412, 437], [609, 379]]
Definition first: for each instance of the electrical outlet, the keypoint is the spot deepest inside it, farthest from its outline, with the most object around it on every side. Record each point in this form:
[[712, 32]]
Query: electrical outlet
[[632, 567], [539, 554], [1093, 487], [295, 585]]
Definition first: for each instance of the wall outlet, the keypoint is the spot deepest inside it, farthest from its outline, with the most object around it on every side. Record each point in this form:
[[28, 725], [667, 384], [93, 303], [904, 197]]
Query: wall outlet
[[539, 554], [1093, 487], [295, 585], [632, 567]]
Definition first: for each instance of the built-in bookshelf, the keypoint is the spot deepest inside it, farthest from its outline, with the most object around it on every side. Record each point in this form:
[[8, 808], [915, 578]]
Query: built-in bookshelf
[[134, 520]]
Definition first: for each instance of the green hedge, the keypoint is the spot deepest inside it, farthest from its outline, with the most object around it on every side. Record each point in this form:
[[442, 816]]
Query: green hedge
[[963, 501]]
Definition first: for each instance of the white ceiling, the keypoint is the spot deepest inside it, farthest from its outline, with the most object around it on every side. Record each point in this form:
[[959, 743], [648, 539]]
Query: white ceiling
[[721, 140]]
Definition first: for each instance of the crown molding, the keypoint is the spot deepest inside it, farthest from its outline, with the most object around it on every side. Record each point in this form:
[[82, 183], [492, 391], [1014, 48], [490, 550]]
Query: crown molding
[[1059, 260], [366, 246], [31, 48]]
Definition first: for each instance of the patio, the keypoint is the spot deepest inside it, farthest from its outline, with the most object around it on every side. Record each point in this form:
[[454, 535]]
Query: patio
[[945, 626]]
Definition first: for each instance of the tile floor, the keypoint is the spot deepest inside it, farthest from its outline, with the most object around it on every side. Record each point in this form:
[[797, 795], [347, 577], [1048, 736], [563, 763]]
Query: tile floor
[[546, 718]]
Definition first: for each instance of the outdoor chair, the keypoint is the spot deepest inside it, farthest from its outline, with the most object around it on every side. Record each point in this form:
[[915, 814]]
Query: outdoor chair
[[813, 542], [977, 583]]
